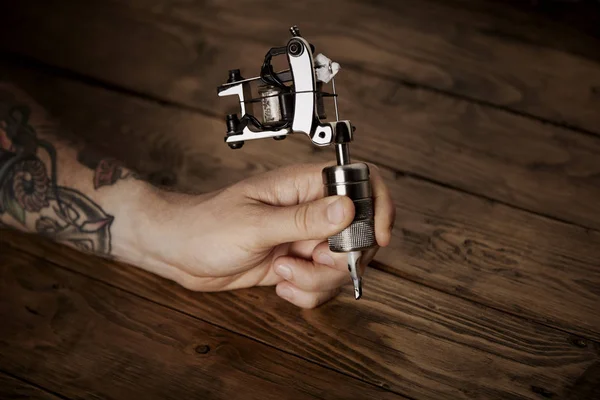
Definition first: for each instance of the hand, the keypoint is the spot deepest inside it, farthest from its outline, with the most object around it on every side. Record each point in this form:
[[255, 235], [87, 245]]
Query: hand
[[270, 229]]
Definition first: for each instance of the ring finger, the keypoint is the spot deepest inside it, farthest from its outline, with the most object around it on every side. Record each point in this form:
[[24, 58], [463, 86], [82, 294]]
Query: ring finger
[[304, 299], [309, 275]]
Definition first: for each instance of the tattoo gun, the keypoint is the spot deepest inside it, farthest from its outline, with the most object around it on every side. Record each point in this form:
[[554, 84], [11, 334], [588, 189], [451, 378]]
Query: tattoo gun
[[292, 101]]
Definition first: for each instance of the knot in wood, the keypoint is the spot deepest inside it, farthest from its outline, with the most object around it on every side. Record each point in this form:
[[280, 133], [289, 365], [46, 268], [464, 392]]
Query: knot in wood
[[202, 349]]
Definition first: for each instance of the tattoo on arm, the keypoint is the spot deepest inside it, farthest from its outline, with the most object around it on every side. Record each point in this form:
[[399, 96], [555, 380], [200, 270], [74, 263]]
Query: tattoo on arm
[[29, 194], [107, 171]]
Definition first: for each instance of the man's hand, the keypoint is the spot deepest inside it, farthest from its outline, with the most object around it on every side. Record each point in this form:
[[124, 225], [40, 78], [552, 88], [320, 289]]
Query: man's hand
[[267, 230], [271, 229]]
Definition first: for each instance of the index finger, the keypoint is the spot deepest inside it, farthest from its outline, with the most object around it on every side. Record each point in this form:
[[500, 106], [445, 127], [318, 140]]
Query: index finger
[[302, 183]]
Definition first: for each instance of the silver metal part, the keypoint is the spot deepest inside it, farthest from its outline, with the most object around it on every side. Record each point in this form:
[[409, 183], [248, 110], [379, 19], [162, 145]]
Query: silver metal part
[[342, 154], [337, 115], [342, 151], [320, 103], [323, 135], [352, 180], [248, 134], [292, 102], [353, 266], [304, 82], [304, 86], [242, 90], [360, 235], [271, 108]]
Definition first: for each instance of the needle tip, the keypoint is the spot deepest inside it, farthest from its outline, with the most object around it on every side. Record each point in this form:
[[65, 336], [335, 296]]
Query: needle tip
[[357, 288]]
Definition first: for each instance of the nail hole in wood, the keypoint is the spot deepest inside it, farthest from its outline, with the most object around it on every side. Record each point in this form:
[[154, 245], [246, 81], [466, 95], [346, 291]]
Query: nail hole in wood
[[578, 342], [202, 349], [542, 392]]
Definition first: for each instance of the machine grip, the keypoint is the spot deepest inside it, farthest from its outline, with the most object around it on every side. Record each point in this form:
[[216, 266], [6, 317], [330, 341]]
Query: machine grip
[[360, 234], [352, 180]]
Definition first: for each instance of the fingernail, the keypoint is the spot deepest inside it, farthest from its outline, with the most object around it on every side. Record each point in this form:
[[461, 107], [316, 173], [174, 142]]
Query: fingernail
[[284, 292], [324, 258], [284, 271], [335, 212]]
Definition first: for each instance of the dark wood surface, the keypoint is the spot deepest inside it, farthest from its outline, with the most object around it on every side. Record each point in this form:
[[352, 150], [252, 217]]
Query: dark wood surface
[[458, 243], [485, 53], [100, 341], [484, 119], [180, 52], [13, 389], [403, 336]]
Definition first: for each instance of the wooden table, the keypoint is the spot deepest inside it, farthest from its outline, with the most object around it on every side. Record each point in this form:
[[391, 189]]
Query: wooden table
[[485, 121]]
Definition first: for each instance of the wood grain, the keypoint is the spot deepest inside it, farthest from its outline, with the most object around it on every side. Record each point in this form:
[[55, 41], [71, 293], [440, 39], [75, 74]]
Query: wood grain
[[181, 52], [402, 336], [480, 250], [13, 389], [84, 339], [588, 385], [560, 21], [454, 47]]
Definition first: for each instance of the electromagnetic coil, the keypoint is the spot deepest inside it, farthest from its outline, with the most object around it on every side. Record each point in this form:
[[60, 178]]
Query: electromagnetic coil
[[271, 106]]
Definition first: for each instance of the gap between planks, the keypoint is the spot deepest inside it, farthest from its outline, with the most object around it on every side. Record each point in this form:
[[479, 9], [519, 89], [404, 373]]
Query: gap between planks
[[31, 260], [378, 381], [454, 286], [207, 321], [379, 266], [376, 265], [35, 64], [24, 383], [481, 102]]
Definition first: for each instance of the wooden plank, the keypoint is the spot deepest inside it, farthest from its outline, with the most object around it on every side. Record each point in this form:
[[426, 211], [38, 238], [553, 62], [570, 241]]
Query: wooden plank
[[560, 26], [84, 339], [402, 336], [588, 385], [13, 389], [173, 51], [452, 47], [556, 18], [511, 260]]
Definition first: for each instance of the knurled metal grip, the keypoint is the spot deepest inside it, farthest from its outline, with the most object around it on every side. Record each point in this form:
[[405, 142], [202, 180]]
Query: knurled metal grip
[[352, 180]]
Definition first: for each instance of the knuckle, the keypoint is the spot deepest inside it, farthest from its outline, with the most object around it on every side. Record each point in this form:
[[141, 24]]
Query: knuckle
[[301, 219], [256, 223], [312, 282], [372, 166]]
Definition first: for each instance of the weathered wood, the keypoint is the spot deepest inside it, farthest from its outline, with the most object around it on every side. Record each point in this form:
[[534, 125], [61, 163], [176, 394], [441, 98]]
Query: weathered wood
[[587, 386], [181, 52], [13, 389], [453, 46], [84, 339], [402, 336], [559, 23], [511, 260]]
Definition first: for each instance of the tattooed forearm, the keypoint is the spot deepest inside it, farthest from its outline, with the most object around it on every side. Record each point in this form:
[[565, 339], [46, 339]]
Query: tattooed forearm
[[107, 171], [30, 196]]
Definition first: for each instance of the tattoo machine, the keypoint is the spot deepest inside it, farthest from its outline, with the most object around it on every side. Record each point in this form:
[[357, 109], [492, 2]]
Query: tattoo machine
[[292, 102]]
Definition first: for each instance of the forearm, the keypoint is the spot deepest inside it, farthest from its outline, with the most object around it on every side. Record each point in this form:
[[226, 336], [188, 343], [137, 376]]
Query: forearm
[[55, 189]]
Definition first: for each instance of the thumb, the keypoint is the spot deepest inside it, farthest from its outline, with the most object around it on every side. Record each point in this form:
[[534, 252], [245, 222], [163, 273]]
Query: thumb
[[317, 219]]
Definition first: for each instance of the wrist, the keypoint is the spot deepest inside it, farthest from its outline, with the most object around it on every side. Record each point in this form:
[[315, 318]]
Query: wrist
[[154, 227], [131, 205]]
